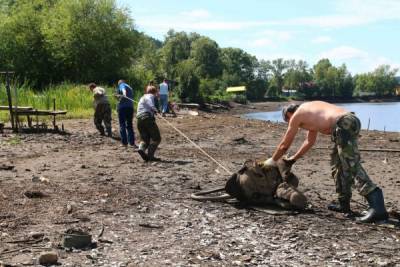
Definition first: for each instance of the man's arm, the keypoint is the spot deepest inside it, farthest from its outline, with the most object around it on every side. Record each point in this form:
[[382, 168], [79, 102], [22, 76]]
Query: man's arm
[[286, 141], [307, 144]]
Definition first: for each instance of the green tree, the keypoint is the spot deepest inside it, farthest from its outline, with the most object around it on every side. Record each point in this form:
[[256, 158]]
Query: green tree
[[22, 42], [238, 66], [176, 49], [90, 40], [296, 75], [256, 89], [276, 68], [188, 89], [381, 81], [345, 82], [385, 80], [321, 79], [48, 41], [205, 53]]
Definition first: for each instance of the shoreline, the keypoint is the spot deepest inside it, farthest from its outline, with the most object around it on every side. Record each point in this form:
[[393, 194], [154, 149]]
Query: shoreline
[[145, 208]]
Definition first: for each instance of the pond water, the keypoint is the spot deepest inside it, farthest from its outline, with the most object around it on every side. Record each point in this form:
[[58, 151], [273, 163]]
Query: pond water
[[380, 116]]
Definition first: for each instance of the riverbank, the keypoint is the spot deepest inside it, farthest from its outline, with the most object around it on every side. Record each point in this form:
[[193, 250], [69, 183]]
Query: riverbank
[[143, 210]]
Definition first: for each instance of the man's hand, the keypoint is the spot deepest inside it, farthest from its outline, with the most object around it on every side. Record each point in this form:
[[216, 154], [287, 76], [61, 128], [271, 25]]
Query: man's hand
[[285, 165], [289, 161], [269, 162]]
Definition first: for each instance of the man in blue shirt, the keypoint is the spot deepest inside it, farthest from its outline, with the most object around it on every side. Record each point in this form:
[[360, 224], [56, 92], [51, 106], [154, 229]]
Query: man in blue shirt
[[164, 91], [125, 113]]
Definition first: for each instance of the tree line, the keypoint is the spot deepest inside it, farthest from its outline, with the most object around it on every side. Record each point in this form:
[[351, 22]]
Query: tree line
[[48, 42]]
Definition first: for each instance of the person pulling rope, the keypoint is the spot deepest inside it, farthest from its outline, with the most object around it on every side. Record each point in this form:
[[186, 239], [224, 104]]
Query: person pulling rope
[[183, 135]]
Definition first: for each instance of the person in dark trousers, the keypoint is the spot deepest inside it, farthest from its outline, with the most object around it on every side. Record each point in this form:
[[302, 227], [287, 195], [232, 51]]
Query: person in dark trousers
[[347, 171], [125, 113], [102, 113], [149, 87], [164, 94], [147, 126]]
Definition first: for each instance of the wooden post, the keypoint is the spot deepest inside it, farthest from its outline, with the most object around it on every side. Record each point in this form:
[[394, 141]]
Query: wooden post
[[54, 116], [16, 118], [9, 99], [369, 119]]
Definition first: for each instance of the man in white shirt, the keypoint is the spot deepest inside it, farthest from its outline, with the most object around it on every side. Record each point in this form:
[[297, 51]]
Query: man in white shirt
[[164, 92], [102, 109]]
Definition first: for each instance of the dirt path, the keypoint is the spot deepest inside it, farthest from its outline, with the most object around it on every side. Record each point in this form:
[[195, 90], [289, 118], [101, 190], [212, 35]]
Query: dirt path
[[145, 209]]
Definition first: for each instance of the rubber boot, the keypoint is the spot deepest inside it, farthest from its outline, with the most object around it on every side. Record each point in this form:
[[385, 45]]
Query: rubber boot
[[101, 131], [377, 210], [343, 205], [109, 132], [142, 151], [150, 152]]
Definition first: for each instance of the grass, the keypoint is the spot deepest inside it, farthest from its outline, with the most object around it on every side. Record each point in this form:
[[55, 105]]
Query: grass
[[76, 99]]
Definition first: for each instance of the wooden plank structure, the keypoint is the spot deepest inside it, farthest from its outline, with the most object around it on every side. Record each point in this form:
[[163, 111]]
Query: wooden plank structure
[[30, 112], [16, 111]]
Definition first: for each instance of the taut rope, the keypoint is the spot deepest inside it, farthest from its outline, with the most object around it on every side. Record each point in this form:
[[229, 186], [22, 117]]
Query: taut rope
[[188, 139]]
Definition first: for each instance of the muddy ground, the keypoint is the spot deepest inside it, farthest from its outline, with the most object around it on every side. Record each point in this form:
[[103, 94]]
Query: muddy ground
[[143, 211]]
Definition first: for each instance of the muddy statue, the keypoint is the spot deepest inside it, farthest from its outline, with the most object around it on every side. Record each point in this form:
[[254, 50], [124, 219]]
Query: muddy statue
[[256, 184]]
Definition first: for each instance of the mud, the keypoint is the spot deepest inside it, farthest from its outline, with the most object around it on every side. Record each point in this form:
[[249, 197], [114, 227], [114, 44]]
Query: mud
[[141, 214]]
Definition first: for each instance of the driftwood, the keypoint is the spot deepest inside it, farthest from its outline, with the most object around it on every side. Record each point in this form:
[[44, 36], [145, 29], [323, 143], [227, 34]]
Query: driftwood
[[359, 149], [189, 105], [149, 225], [216, 106], [3, 195], [369, 149], [6, 167]]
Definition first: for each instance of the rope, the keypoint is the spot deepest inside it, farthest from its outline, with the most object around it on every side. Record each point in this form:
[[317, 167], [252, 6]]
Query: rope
[[188, 139]]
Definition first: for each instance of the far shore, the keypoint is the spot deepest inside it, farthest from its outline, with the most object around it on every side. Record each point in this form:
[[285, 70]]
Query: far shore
[[275, 105]]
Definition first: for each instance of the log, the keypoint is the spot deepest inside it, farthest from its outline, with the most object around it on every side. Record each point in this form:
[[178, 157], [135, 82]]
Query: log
[[370, 149], [189, 105], [216, 106]]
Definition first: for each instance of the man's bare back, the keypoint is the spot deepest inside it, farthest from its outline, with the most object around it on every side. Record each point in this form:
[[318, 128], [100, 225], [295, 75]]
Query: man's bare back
[[316, 116]]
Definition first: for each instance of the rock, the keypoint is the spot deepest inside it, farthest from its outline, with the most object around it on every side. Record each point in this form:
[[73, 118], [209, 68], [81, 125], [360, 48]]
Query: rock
[[76, 239], [34, 194], [36, 235], [48, 258], [44, 180]]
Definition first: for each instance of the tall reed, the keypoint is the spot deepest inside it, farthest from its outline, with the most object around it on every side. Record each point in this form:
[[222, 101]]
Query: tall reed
[[76, 99]]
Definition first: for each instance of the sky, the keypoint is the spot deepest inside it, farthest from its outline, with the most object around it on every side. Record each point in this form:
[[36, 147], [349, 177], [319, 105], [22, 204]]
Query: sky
[[362, 34]]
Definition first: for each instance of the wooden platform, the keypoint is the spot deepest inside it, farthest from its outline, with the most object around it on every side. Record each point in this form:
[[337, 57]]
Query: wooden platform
[[38, 112], [29, 111], [16, 108]]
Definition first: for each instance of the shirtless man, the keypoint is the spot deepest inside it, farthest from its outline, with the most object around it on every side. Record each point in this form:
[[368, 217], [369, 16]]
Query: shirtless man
[[344, 127]]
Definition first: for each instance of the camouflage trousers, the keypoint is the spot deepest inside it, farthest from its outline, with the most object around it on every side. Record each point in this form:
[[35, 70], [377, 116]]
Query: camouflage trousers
[[345, 158], [102, 114]]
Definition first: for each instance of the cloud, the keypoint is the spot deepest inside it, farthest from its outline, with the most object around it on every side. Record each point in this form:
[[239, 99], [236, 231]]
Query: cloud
[[162, 24], [370, 9], [272, 56], [197, 14], [361, 60], [375, 62], [344, 53], [262, 42], [321, 40], [344, 13], [271, 38]]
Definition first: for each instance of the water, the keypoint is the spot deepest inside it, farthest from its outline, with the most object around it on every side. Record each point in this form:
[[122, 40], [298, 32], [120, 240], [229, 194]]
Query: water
[[382, 116]]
